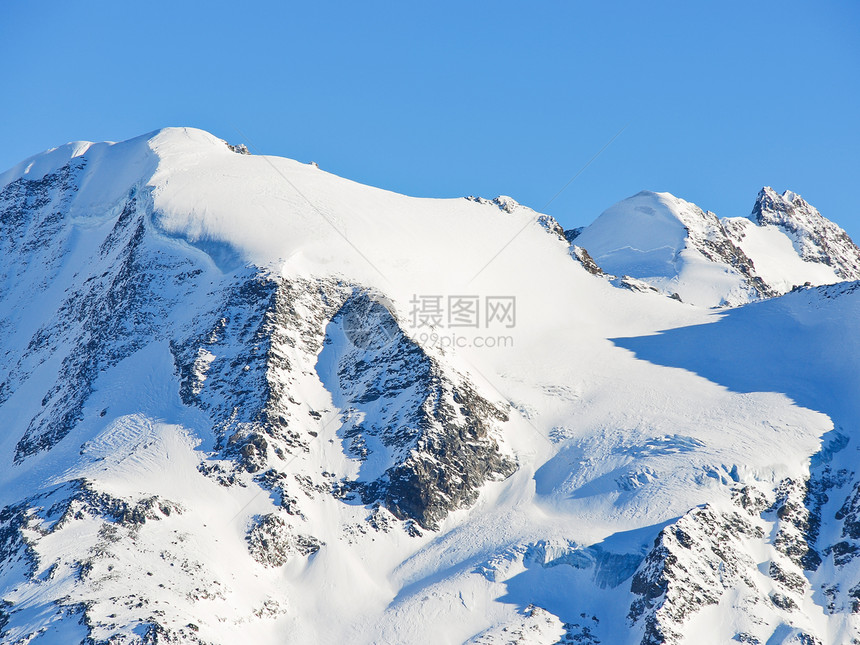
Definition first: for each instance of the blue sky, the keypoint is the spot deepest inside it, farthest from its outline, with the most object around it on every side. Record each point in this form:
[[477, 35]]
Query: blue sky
[[451, 99]]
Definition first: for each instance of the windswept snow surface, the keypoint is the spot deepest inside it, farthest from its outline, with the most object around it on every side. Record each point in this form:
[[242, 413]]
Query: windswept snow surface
[[200, 447]]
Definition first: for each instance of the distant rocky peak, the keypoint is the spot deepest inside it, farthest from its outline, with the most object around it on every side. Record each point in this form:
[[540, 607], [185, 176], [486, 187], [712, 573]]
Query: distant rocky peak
[[815, 237], [782, 210]]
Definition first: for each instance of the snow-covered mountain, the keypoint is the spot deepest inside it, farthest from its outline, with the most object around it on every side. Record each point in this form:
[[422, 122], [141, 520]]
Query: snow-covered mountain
[[677, 248], [245, 400]]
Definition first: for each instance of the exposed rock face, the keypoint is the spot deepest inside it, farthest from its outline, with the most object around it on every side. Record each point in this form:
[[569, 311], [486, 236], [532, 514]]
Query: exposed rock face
[[693, 562], [639, 286], [839, 558], [587, 262], [428, 446], [108, 523], [798, 509], [709, 556], [535, 625], [505, 203], [849, 515], [816, 238], [572, 233], [239, 148], [100, 319], [271, 542]]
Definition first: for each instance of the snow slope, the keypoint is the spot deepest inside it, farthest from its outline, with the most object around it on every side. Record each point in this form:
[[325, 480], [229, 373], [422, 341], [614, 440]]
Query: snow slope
[[232, 412]]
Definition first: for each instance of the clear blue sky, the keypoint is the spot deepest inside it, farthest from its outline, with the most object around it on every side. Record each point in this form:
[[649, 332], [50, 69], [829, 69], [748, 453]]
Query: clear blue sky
[[451, 99]]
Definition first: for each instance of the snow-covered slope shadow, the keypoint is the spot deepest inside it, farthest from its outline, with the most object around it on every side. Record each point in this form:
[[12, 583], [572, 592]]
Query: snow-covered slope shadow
[[586, 588], [805, 345]]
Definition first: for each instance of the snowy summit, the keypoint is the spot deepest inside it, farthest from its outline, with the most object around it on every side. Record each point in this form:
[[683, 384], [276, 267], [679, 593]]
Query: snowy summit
[[246, 400]]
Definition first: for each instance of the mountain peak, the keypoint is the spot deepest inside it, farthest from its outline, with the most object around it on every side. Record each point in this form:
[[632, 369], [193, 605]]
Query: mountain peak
[[815, 238], [674, 246], [770, 202], [136, 152], [680, 248]]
